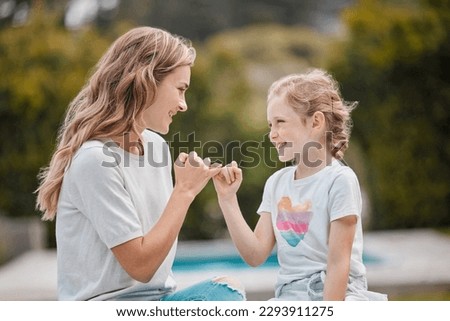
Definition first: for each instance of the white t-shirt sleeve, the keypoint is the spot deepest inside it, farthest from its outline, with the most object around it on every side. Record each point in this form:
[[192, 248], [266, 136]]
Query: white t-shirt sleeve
[[100, 194], [266, 203], [345, 196]]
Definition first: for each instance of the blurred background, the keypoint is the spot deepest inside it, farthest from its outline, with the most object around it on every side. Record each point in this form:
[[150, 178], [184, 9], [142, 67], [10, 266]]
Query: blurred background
[[392, 56]]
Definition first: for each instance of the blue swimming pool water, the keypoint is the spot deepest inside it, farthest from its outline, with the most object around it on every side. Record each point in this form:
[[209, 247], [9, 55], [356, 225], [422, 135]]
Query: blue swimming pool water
[[196, 263]]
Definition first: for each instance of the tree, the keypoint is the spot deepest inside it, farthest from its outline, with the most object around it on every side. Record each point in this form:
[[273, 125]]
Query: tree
[[42, 67], [393, 62]]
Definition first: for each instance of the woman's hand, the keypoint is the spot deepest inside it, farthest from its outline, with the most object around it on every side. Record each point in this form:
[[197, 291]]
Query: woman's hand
[[192, 173], [141, 257], [228, 181]]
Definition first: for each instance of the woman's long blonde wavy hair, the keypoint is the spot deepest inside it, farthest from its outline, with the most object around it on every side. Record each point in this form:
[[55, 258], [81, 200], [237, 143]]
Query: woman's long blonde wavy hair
[[123, 84], [315, 91]]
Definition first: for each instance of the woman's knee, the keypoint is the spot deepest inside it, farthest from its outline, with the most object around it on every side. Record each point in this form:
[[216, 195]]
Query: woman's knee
[[231, 282]]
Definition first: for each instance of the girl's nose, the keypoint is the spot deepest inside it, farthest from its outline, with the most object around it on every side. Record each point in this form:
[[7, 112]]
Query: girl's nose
[[273, 134]]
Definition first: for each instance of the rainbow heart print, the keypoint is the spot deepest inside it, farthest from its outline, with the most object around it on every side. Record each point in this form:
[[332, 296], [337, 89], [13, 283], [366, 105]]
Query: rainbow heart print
[[293, 221]]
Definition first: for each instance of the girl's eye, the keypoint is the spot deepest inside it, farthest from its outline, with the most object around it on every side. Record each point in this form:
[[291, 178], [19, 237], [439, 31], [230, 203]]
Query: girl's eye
[[278, 121]]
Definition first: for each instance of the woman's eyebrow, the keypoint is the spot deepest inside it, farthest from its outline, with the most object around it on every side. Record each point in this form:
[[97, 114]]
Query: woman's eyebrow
[[185, 85]]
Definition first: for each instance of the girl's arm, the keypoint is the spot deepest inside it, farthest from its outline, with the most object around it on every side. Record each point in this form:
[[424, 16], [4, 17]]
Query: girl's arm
[[254, 246], [141, 257], [342, 233]]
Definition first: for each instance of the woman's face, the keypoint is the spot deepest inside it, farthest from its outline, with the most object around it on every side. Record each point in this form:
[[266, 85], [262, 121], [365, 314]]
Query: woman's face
[[170, 99]]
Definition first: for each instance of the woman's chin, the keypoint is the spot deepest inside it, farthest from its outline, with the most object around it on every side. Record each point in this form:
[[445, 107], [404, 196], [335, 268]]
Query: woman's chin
[[160, 130]]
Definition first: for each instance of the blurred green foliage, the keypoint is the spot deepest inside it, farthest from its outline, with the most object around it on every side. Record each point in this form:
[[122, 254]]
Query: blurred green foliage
[[42, 67], [394, 61]]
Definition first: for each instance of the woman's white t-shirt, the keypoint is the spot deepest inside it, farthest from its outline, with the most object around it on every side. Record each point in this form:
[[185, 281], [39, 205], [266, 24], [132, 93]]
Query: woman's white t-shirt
[[108, 197]]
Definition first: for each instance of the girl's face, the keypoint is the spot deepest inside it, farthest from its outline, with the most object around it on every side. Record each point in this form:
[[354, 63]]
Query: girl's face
[[170, 99], [287, 131]]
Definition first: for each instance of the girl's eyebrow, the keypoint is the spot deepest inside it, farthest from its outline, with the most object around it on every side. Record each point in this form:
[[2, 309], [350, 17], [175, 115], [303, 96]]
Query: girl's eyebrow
[[274, 119], [277, 117]]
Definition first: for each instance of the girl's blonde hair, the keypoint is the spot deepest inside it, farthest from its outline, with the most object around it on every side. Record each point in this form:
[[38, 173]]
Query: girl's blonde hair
[[123, 84], [316, 91]]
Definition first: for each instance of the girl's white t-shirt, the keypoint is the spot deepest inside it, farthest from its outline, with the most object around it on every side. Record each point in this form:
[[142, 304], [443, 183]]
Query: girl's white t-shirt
[[108, 197], [302, 211]]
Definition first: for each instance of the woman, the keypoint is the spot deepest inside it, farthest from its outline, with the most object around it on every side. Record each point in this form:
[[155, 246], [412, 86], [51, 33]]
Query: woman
[[110, 180]]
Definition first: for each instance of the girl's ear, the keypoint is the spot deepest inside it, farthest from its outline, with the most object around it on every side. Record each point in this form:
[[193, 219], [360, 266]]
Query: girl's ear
[[318, 119]]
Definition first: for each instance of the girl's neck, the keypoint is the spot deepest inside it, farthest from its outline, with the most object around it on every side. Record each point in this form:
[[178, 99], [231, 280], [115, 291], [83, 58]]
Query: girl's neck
[[308, 168]]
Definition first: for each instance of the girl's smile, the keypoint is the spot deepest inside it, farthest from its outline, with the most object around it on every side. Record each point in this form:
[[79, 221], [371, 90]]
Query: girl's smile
[[296, 138], [288, 132]]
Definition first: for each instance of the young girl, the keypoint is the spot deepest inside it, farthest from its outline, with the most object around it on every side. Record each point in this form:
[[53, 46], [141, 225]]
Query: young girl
[[110, 179], [311, 210]]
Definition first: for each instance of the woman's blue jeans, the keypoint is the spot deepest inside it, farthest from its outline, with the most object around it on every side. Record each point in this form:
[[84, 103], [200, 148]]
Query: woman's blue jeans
[[209, 290], [215, 289]]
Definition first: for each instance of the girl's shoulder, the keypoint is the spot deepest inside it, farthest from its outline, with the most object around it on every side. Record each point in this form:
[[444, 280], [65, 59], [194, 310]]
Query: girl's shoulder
[[338, 169], [342, 176], [283, 173]]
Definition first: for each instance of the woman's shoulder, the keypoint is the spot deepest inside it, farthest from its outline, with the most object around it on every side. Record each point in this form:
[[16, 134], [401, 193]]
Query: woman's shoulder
[[91, 149], [92, 156]]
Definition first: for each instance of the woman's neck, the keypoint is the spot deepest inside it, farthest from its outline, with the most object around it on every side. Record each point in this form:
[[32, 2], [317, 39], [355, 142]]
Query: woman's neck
[[130, 142]]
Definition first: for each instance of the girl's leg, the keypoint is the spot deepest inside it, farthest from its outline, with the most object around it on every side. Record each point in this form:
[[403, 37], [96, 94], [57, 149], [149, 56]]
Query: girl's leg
[[294, 291], [217, 289], [357, 291]]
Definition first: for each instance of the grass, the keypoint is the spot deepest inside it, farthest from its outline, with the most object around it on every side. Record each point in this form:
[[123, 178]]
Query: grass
[[430, 296]]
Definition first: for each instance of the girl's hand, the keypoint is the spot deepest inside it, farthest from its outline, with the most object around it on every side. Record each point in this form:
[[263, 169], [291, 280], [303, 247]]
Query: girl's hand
[[192, 173], [228, 181]]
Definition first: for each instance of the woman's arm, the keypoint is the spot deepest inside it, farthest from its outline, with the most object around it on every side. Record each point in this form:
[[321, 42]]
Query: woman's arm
[[141, 257], [342, 233], [254, 246]]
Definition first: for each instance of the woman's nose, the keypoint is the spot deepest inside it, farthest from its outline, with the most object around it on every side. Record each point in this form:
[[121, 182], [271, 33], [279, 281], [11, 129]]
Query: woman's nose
[[182, 106]]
